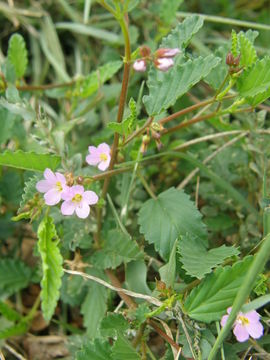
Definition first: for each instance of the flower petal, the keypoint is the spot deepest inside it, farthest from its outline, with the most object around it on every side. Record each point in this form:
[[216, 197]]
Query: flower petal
[[61, 178], [90, 197], [139, 65], [67, 193], [240, 333], [49, 175], [171, 52], [164, 64], [43, 186], [78, 189], [224, 320], [93, 159], [103, 165], [252, 316], [255, 329], [52, 197], [67, 208], [83, 210], [104, 148]]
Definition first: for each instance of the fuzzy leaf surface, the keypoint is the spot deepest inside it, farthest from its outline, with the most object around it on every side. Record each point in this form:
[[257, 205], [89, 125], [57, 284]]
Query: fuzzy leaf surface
[[51, 266], [29, 160], [247, 51], [254, 83], [17, 54], [119, 248], [209, 301], [97, 78], [113, 324], [170, 215], [196, 260], [123, 350], [166, 88], [98, 350], [14, 276]]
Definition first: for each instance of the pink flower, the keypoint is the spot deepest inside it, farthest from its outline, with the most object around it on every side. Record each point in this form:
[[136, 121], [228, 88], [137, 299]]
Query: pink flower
[[139, 65], [53, 186], [245, 325], [78, 200], [167, 52], [164, 64], [100, 156]]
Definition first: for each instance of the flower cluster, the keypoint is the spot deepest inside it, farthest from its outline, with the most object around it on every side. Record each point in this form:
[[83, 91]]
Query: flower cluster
[[57, 187], [162, 58], [76, 200], [245, 325]]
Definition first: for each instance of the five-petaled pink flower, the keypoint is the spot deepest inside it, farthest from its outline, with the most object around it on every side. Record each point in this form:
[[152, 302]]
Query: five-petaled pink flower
[[78, 200], [245, 325], [100, 156], [53, 186]]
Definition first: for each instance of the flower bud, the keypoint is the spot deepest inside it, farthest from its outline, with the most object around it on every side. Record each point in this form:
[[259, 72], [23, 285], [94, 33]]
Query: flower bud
[[69, 178], [145, 51], [80, 180], [229, 59], [139, 65], [160, 285], [167, 52]]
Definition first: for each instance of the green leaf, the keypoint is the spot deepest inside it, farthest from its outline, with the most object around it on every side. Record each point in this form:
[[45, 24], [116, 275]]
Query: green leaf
[[183, 32], [113, 324], [167, 272], [97, 78], [15, 330], [17, 54], [254, 83], [209, 301], [94, 308], [123, 350], [168, 10], [98, 350], [128, 125], [124, 250], [247, 51], [196, 260], [51, 266], [166, 88], [14, 276], [9, 313], [234, 46], [170, 215], [29, 160], [136, 274], [29, 191], [256, 304]]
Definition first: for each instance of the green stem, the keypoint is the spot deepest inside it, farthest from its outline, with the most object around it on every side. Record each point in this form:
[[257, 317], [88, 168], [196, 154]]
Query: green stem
[[256, 267]]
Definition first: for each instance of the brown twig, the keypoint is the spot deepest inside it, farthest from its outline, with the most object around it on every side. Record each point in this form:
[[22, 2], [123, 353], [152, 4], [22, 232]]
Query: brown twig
[[139, 131]]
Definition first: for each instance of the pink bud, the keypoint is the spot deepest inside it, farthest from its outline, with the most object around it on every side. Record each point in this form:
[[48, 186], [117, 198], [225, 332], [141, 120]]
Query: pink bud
[[166, 52], [164, 64], [139, 65]]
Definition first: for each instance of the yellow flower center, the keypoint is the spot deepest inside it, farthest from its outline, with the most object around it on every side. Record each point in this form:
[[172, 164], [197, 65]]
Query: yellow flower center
[[77, 198], [103, 157], [243, 320], [59, 186]]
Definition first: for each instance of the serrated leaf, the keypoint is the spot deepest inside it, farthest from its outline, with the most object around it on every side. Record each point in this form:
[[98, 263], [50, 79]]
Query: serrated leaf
[[29, 191], [22, 109], [76, 234], [123, 350], [97, 78], [234, 46], [181, 35], [247, 51], [196, 260], [9, 313], [94, 308], [254, 83], [98, 350], [29, 160], [168, 10], [172, 214], [14, 275], [167, 271], [127, 125], [118, 248], [166, 88], [51, 266], [17, 54], [113, 324], [209, 301]]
